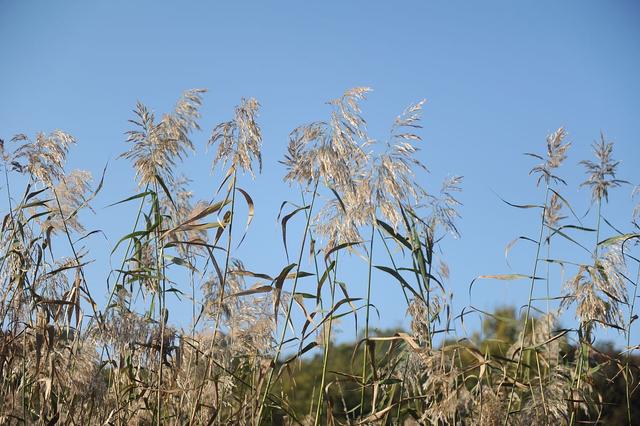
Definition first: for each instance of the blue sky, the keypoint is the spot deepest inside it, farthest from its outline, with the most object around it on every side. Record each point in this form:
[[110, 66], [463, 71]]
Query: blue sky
[[498, 76]]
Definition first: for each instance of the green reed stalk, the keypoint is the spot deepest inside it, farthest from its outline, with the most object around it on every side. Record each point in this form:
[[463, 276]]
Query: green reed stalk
[[289, 308], [528, 311], [585, 337], [227, 256], [221, 298], [327, 340], [23, 390], [366, 323], [325, 354], [161, 290], [406, 298], [125, 257], [393, 263], [6, 177], [627, 371]]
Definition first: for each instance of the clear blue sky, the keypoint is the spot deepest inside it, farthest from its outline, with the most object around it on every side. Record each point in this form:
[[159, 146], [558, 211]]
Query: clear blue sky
[[498, 76]]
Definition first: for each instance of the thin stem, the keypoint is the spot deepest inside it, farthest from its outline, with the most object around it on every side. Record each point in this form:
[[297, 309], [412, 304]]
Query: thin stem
[[327, 340], [289, 309], [366, 323], [161, 299], [583, 353], [404, 379], [627, 371], [221, 298], [124, 258], [595, 254], [393, 263], [528, 311], [6, 177]]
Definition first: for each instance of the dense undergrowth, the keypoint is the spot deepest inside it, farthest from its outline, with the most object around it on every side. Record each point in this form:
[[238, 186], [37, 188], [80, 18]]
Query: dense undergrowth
[[246, 357]]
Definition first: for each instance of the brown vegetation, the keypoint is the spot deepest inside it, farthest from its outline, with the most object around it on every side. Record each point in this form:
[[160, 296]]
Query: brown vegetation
[[66, 359]]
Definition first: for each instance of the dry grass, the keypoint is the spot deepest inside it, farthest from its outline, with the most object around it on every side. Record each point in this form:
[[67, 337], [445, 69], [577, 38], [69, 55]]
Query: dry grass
[[65, 359]]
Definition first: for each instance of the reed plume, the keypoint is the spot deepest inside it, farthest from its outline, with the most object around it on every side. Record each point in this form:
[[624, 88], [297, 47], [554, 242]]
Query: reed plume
[[156, 147], [239, 140]]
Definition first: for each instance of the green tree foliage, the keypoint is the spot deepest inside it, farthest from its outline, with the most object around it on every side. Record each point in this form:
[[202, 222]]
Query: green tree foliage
[[500, 330]]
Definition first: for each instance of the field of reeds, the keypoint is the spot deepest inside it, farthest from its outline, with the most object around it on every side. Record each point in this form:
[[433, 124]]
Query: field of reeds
[[259, 347]]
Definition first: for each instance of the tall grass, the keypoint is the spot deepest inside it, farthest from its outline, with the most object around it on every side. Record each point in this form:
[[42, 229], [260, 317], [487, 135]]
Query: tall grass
[[67, 359]]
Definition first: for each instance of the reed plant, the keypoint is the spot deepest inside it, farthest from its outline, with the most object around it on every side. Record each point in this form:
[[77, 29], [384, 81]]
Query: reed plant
[[72, 352]]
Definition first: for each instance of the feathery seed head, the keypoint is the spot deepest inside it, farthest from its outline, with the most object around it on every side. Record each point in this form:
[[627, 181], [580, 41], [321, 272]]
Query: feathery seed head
[[71, 192], [446, 205], [556, 154], [45, 157], [330, 151], [602, 173], [599, 290], [394, 170], [157, 147], [553, 211], [239, 140]]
